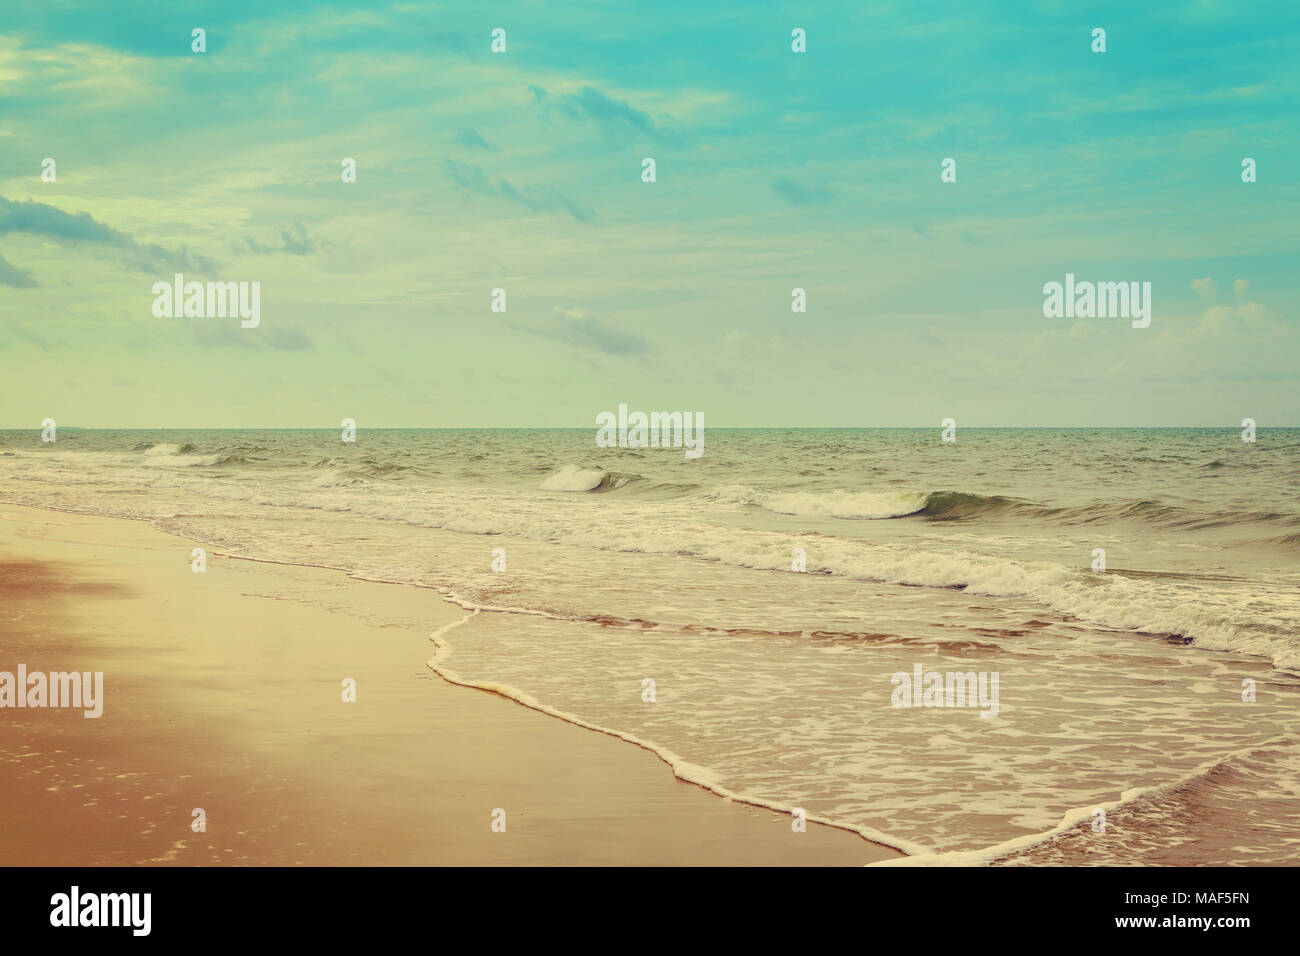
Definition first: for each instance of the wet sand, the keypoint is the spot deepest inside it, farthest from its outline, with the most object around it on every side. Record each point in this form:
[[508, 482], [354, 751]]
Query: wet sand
[[223, 692]]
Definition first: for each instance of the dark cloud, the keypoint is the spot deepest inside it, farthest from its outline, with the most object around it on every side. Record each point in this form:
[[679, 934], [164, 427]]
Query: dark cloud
[[297, 242], [472, 139], [293, 242], [793, 192], [11, 275], [618, 116], [39, 219], [475, 180]]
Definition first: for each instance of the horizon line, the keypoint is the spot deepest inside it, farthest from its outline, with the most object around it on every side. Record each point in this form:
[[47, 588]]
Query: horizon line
[[326, 428]]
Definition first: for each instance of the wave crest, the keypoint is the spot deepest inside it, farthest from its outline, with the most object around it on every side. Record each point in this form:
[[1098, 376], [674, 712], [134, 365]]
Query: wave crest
[[574, 478]]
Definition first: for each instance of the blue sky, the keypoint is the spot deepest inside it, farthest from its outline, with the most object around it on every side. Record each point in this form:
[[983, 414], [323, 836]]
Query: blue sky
[[521, 171]]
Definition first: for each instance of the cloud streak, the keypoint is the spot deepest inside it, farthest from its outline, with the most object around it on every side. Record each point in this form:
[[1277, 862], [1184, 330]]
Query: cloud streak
[[15, 277], [475, 180], [578, 328], [616, 116], [471, 139], [799, 195], [36, 218]]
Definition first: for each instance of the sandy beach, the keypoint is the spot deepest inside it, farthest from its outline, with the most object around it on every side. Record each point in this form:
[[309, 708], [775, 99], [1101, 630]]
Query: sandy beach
[[222, 692]]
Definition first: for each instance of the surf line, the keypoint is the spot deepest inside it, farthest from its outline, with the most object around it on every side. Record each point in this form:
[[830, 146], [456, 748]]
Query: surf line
[[1077, 816], [682, 769]]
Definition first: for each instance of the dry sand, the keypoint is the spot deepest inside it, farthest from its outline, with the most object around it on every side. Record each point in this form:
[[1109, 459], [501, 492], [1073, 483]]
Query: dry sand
[[222, 691]]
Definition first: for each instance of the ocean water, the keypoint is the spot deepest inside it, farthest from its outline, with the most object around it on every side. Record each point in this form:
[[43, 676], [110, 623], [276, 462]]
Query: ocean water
[[1119, 689]]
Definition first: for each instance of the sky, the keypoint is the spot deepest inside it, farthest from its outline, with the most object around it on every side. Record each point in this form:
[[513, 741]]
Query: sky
[[522, 171]]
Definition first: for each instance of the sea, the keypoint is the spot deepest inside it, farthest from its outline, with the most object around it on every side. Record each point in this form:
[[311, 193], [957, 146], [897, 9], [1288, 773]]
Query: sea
[[753, 615]]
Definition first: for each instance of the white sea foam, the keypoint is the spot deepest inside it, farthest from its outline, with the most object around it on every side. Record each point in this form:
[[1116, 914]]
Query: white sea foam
[[166, 455], [1242, 617], [1076, 817], [682, 769], [835, 504], [573, 478]]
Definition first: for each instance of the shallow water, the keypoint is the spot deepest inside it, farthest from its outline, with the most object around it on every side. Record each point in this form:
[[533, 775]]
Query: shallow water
[[968, 557]]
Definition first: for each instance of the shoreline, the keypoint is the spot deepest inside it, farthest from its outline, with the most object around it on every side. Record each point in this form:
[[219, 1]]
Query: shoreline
[[223, 693], [680, 767]]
